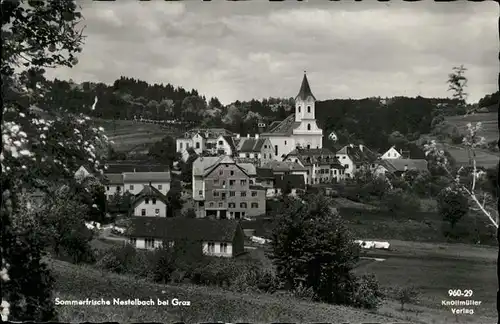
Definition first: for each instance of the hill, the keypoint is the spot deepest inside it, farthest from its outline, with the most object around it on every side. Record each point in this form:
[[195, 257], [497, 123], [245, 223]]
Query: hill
[[207, 303]]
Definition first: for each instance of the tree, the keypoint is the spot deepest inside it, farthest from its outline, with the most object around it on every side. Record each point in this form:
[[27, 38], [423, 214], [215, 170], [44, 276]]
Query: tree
[[457, 82], [164, 151], [453, 204], [41, 144], [175, 202], [312, 246], [397, 201]]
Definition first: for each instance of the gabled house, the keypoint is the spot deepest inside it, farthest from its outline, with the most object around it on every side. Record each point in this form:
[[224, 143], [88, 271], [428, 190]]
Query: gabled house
[[83, 172], [285, 167], [135, 182], [225, 145], [399, 166], [223, 188], [200, 140], [394, 153], [322, 165], [265, 178], [290, 184], [222, 238], [259, 149], [113, 184], [356, 157], [150, 202]]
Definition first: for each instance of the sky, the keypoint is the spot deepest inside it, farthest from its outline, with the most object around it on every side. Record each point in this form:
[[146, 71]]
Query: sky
[[257, 49]]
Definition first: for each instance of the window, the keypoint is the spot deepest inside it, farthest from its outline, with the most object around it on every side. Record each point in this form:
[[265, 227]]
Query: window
[[264, 156], [216, 193], [197, 145], [211, 205], [232, 194], [200, 192], [131, 187], [285, 144], [308, 147], [143, 212], [223, 195], [223, 247], [160, 187], [243, 205], [133, 241], [308, 109], [221, 143], [243, 182], [250, 181], [298, 108], [146, 201], [187, 145], [201, 203], [247, 155], [107, 188], [265, 146], [221, 172], [255, 205], [243, 194], [150, 243], [275, 149], [254, 193], [232, 205], [216, 181], [231, 182], [154, 201], [308, 126], [118, 188], [232, 172], [211, 247], [180, 145], [223, 183], [157, 212]]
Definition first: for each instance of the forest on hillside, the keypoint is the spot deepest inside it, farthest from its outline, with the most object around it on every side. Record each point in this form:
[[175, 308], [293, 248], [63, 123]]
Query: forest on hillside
[[375, 122]]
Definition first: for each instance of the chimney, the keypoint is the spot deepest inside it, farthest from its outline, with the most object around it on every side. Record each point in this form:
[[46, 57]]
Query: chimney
[[256, 136]]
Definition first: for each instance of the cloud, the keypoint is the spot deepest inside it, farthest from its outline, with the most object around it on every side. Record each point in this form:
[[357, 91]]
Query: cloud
[[240, 51]]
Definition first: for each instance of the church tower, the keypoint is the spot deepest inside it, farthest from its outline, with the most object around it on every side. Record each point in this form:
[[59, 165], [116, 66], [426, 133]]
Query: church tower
[[306, 134]]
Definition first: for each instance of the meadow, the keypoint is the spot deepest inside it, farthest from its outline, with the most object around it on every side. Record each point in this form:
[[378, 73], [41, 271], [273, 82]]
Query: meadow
[[128, 135]]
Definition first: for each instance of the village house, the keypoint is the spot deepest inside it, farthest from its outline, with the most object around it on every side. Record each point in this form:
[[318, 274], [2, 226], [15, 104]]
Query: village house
[[225, 146], [290, 184], [322, 165], [257, 149], [394, 153], [355, 158], [134, 182], [286, 167], [399, 166], [298, 129], [203, 139], [224, 189], [265, 178], [221, 238], [150, 202]]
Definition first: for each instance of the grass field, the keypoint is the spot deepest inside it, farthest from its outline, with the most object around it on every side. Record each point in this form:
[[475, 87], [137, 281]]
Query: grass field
[[128, 135], [489, 131]]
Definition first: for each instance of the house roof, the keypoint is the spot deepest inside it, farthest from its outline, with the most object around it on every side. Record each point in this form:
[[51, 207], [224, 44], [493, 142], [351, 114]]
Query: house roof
[[119, 167], [146, 177], [251, 145], [280, 166], [249, 168], [358, 153], [207, 133], [230, 142], [305, 90], [400, 165], [197, 229], [322, 156], [285, 127], [113, 178], [295, 181], [148, 192], [264, 173], [204, 165]]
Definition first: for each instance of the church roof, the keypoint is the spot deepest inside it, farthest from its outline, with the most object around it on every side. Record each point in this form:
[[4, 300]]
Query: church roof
[[305, 90], [285, 127]]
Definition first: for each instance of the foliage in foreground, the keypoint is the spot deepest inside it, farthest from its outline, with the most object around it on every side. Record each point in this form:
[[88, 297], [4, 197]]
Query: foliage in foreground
[[313, 248]]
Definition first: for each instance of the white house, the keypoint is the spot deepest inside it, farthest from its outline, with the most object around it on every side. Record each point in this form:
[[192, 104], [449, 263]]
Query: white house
[[399, 166], [225, 145], [134, 182], [222, 238], [200, 140], [355, 157], [322, 165], [113, 184], [394, 153], [255, 148], [150, 202], [298, 129]]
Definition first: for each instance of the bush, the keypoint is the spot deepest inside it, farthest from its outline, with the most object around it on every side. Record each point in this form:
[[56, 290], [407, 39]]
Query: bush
[[453, 204], [406, 295], [368, 293], [397, 201], [119, 259]]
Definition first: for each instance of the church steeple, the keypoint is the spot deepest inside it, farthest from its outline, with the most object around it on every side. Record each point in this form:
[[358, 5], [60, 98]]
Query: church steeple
[[305, 89]]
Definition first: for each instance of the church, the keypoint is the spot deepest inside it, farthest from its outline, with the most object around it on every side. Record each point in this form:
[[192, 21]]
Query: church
[[299, 129]]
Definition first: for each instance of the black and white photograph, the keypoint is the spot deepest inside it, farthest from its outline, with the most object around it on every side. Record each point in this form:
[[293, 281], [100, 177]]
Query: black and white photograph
[[250, 161]]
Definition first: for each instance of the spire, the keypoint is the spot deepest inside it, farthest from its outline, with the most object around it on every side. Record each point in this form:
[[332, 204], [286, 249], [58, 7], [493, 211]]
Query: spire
[[305, 89]]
